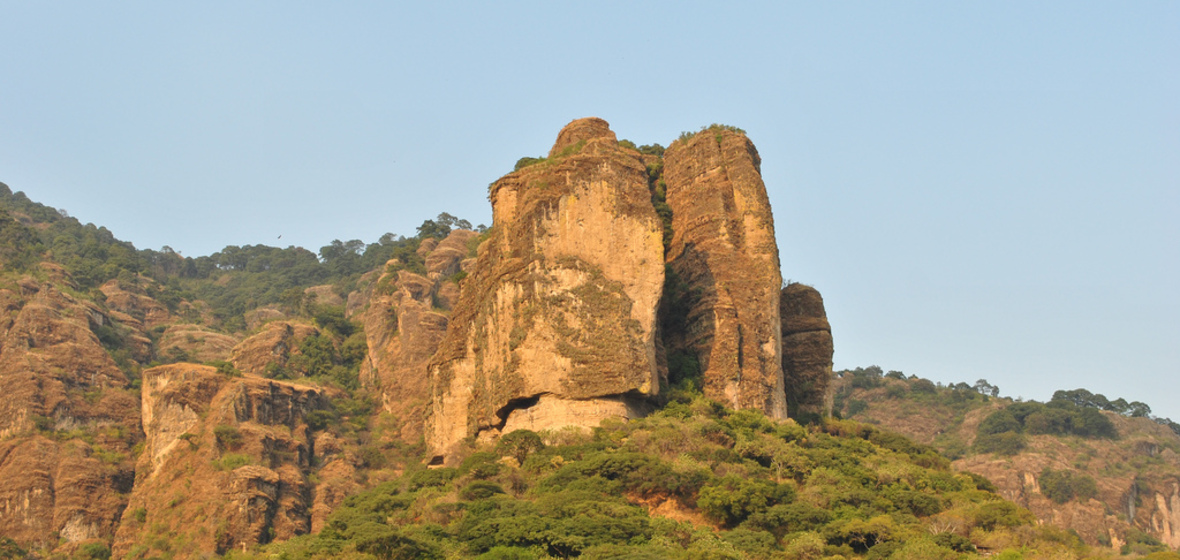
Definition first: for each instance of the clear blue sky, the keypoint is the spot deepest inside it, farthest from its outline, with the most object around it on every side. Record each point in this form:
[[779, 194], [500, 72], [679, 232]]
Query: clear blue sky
[[978, 189]]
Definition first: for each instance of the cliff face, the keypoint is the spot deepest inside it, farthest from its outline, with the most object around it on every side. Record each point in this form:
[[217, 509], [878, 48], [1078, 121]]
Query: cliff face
[[724, 252], [225, 463], [556, 324], [405, 316], [59, 381], [807, 350]]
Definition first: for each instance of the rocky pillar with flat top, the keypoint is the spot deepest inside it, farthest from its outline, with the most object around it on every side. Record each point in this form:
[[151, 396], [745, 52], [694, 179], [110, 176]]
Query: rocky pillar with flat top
[[725, 259], [556, 323]]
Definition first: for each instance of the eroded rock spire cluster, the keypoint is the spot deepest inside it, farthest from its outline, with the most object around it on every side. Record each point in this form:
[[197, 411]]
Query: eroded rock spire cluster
[[559, 322]]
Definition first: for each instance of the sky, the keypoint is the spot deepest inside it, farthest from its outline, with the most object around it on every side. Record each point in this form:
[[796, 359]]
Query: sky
[[979, 190]]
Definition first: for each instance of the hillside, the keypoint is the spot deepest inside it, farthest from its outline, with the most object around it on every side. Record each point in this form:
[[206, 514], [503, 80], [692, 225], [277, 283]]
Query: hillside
[[615, 369], [1106, 469]]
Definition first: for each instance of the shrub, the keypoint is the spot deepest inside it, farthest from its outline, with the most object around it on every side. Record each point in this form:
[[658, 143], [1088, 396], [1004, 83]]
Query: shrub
[[1007, 443], [1063, 486], [231, 461], [732, 499], [228, 437], [519, 444], [432, 478], [480, 490]]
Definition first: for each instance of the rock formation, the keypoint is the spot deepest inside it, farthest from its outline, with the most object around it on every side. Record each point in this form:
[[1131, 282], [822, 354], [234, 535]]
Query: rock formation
[[725, 257], [57, 379], [269, 351], [556, 323], [807, 350], [405, 317], [225, 462]]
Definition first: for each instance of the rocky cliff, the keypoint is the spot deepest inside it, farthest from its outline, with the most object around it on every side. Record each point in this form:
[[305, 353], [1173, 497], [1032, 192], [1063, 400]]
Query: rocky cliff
[[807, 350], [226, 462], [556, 323], [724, 253], [405, 315], [67, 421]]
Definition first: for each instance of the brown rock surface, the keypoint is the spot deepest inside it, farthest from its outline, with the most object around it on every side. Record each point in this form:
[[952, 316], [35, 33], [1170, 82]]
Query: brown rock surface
[[562, 300], [52, 364], [67, 423], [225, 463], [324, 295], [65, 489], [197, 343], [405, 316], [136, 303], [807, 350], [723, 249], [274, 346]]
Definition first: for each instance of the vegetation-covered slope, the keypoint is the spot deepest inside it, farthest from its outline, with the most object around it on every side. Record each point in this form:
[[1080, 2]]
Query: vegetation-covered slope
[[695, 480], [1105, 468]]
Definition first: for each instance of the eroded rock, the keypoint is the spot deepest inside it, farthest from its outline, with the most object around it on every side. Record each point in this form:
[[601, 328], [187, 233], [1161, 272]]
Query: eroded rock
[[225, 462], [807, 350], [725, 257], [562, 299]]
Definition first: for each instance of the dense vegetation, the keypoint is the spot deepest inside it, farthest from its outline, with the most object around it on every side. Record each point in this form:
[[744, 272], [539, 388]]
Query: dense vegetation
[[727, 484]]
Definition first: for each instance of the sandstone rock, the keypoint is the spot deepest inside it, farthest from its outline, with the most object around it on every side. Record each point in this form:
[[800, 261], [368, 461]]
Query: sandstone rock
[[724, 252], [198, 343], [50, 357], [405, 317], [58, 380], [225, 462], [134, 302], [446, 257], [255, 318], [273, 346], [49, 487], [324, 295], [561, 303], [807, 350]]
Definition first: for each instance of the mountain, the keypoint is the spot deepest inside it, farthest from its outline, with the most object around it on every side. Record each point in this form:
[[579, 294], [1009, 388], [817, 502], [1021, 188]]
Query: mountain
[[613, 369]]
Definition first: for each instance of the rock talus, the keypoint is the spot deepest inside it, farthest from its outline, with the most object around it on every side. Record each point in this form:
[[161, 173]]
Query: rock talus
[[807, 350], [724, 254], [561, 303]]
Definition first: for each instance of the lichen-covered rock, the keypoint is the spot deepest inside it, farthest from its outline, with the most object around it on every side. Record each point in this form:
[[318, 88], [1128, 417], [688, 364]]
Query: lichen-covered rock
[[225, 463], [133, 301], [67, 420], [724, 254], [270, 350], [405, 316], [561, 303], [807, 350], [194, 343]]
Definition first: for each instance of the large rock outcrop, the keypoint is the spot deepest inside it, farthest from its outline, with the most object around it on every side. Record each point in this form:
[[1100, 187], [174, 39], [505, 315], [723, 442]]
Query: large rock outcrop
[[225, 463], [725, 258], [67, 421], [405, 315], [556, 323], [807, 350]]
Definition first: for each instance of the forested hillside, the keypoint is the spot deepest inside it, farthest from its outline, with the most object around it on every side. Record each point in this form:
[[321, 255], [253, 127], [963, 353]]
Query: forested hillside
[[1106, 468]]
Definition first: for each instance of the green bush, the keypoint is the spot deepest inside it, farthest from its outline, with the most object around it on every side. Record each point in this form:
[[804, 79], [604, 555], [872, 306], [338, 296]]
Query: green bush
[[228, 437], [1063, 486], [519, 444], [1006, 443], [732, 499]]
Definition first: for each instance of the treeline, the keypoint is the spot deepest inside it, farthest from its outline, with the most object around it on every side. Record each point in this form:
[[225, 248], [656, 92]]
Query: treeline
[[246, 276]]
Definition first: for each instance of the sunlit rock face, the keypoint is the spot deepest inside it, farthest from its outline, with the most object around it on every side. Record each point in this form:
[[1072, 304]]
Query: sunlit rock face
[[724, 253], [556, 324]]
